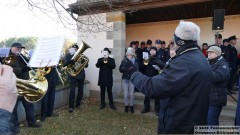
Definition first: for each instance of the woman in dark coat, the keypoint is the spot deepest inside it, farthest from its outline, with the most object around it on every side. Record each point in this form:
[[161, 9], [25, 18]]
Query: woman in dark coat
[[105, 80], [218, 89]]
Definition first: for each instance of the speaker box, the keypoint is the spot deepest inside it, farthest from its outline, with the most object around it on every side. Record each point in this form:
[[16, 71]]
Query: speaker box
[[218, 19]]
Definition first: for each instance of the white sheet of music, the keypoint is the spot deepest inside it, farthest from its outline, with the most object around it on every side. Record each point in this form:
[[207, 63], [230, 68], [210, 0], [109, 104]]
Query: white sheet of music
[[47, 52], [4, 52]]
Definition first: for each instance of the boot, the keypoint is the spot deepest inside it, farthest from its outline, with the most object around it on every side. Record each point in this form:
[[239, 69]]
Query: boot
[[126, 109], [131, 109], [113, 107], [102, 106]]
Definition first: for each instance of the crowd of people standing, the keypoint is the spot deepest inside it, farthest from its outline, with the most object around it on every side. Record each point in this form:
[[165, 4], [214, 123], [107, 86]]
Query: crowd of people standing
[[189, 86]]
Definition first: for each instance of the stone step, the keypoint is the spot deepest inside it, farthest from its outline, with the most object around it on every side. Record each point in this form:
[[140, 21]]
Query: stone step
[[227, 116]]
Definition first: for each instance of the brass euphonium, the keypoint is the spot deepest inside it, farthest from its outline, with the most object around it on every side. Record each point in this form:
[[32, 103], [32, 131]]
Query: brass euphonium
[[80, 60], [33, 89]]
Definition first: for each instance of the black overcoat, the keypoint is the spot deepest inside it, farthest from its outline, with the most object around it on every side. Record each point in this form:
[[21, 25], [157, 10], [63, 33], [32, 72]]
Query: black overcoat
[[105, 77], [183, 88]]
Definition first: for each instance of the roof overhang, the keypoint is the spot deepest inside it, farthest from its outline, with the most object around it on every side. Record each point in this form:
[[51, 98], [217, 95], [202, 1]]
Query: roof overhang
[[142, 11]]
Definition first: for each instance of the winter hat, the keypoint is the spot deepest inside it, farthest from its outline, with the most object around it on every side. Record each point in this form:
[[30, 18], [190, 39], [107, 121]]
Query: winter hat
[[17, 45], [153, 48], [158, 41], [149, 42], [215, 49], [225, 40], [130, 51], [232, 38], [218, 35], [186, 32]]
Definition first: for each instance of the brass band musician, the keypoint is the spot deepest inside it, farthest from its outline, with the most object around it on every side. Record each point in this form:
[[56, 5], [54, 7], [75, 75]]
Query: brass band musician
[[21, 69], [106, 65], [75, 80], [152, 66]]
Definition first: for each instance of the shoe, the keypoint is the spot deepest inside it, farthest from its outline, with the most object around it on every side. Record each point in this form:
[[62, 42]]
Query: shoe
[[145, 111], [35, 125], [102, 106], [126, 109], [70, 110], [53, 115], [16, 130], [131, 109], [42, 119], [113, 107]]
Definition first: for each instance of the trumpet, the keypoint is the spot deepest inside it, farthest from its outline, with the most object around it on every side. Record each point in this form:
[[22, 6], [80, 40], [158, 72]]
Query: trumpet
[[105, 60], [145, 61]]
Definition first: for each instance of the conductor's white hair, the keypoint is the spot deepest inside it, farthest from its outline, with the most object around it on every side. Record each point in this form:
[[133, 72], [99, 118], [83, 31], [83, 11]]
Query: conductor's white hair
[[188, 31]]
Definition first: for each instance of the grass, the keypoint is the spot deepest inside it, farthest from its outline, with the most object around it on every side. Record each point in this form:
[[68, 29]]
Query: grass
[[89, 120]]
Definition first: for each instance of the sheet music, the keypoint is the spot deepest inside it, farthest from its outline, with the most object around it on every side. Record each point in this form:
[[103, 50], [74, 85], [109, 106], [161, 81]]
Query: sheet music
[[47, 52], [145, 55], [105, 54], [4, 52]]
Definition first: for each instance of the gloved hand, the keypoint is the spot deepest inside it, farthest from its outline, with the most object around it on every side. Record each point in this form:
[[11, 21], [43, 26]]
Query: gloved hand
[[72, 62], [159, 63], [26, 69], [131, 70]]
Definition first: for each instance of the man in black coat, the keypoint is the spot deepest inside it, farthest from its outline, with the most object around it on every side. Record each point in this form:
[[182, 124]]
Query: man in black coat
[[21, 70], [49, 98], [74, 80], [152, 68], [183, 86], [105, 79], [233, 62], [226, 50]]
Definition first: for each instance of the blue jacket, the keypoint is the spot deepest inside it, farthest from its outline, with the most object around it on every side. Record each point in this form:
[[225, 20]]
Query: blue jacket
[[183, 89], [220, 76], [6, 124]]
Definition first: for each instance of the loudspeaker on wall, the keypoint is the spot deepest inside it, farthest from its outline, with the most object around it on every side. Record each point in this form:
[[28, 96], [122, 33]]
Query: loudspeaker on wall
[[218, 19]]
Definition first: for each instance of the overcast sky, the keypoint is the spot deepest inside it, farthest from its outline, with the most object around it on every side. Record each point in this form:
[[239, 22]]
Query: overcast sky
[[18, 21]]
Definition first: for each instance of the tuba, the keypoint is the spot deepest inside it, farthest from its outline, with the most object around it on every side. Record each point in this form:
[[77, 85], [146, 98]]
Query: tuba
[[80, 60], [33, 89]]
